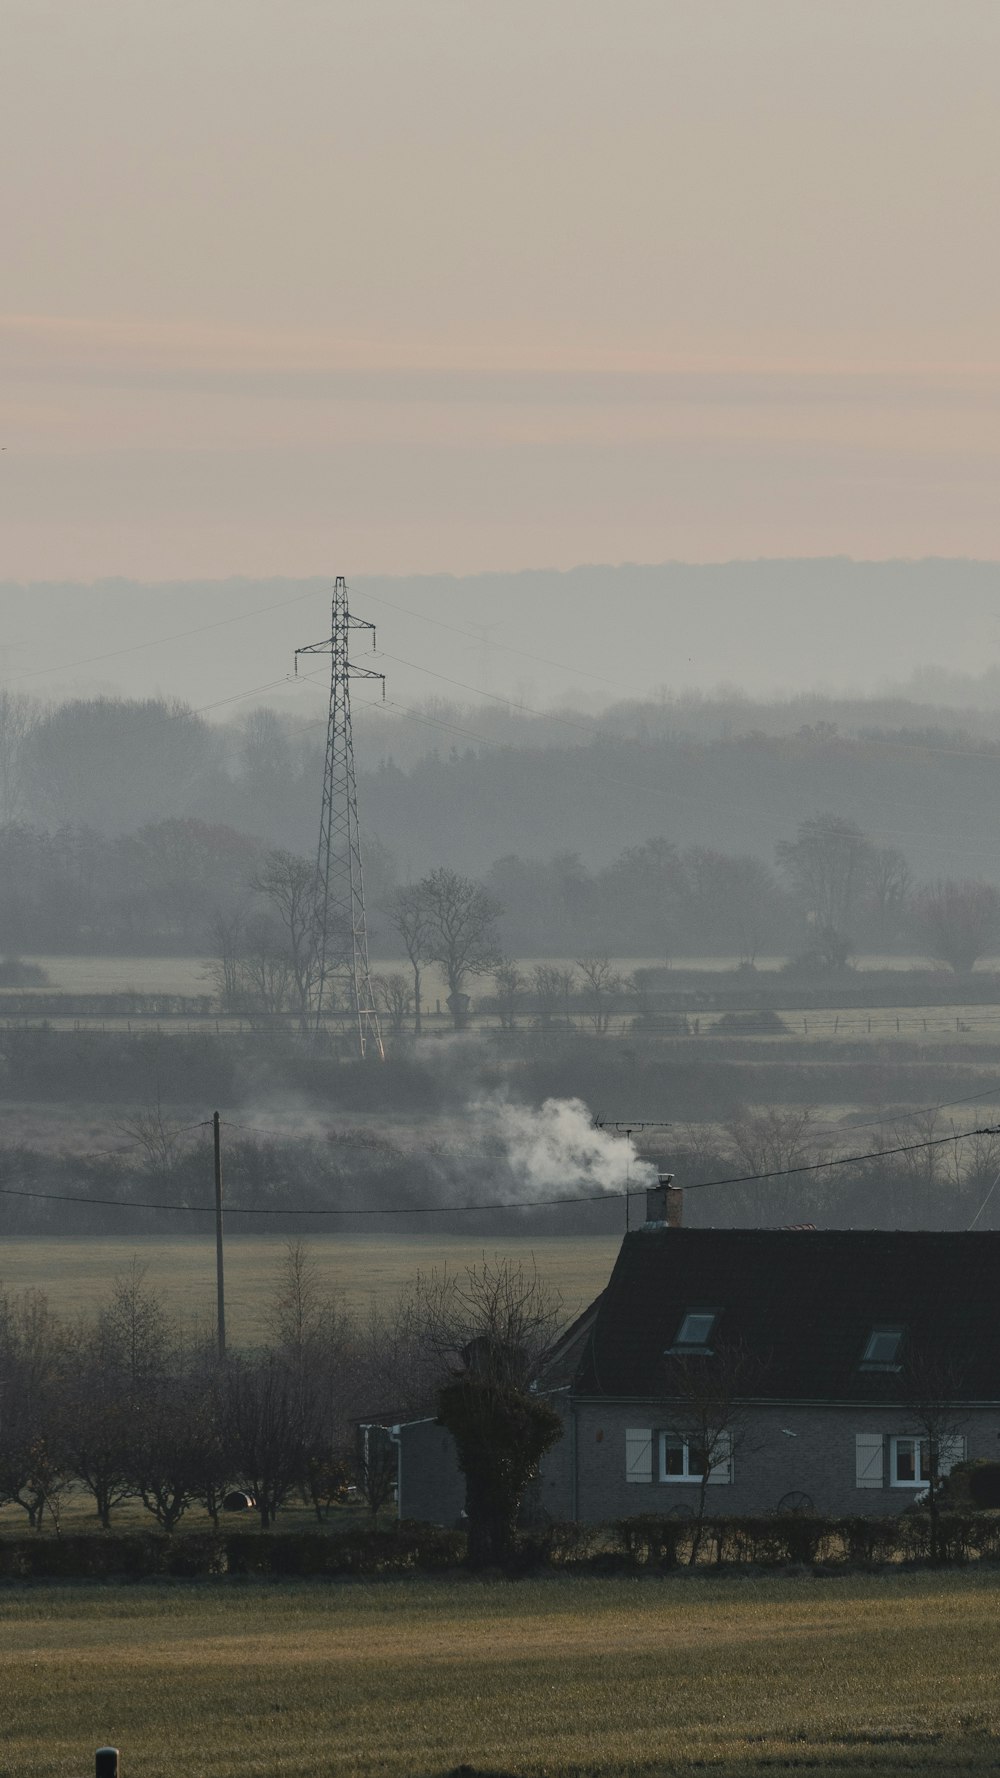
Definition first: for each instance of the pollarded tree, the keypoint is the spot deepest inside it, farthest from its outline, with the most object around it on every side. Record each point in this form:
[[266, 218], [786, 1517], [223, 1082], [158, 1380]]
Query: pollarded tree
[[494, 1322], [958, 921]]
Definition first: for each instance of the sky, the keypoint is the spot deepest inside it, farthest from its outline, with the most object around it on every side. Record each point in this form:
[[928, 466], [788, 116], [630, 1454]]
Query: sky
[[369, 286]]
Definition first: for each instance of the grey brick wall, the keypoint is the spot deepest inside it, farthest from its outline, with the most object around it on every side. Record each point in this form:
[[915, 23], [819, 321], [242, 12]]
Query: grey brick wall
[[818, 1460]]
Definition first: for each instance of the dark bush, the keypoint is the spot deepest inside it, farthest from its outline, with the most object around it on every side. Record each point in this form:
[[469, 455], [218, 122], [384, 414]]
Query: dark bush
[[651, 1540]]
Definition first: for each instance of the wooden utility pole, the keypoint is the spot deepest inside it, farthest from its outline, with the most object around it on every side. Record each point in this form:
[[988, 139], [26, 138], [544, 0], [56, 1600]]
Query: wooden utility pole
[[220, 1282]]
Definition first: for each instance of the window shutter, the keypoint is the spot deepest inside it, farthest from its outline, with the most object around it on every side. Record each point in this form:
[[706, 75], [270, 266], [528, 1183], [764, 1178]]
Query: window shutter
[[722, 1468], [869, 1460], [950, 1451], [638, 1454]]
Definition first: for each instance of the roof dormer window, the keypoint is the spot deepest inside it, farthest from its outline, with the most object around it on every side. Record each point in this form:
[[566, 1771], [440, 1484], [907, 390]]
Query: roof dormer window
[[882, 1350], [695, 1331]]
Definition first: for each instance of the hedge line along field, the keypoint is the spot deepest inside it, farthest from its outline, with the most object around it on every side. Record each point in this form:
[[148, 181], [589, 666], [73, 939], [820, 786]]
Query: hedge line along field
[[556, 1677], [76, 1273]]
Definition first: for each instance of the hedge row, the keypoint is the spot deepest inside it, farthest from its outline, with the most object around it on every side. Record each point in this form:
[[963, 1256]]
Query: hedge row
[[782, 1539], [134, 1555], [649, 1544]]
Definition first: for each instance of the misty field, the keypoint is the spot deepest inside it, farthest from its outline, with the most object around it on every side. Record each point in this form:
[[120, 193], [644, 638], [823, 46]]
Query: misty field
[[76, 1273], [555, 1676]]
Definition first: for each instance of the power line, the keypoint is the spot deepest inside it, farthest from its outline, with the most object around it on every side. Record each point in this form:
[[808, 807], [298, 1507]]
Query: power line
[[846, 1160], [602, 1197], [159, 641], [504, 647]]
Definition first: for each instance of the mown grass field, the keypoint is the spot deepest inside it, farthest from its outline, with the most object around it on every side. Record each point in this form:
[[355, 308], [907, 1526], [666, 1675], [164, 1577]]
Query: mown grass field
[[863, 1675], [76, 1273]]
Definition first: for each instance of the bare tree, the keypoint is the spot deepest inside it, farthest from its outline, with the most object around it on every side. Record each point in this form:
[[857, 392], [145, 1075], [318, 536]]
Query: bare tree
[[704, 1416], [266, 1430], [267, 986], [227, 968], [316, 1341], [766, 1141], [33, 1467], [394, 999], [411, 917], [937, 1416], [547, 985], [18, 715], [958, 921], [890, 882], [156, 1136], [287, 884], [828, 864], [509, 985], [603, 987], [461, 931]]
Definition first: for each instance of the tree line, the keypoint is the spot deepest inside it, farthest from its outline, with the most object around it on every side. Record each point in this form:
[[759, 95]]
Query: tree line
[[126, 1406], [183, 886]]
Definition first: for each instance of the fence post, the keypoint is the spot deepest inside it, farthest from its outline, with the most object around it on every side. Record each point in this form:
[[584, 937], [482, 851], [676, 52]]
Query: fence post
[[106, 1762]]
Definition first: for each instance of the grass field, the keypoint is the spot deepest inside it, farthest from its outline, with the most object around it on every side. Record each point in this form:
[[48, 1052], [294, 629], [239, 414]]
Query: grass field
[[76, 1273], [863, 1675]]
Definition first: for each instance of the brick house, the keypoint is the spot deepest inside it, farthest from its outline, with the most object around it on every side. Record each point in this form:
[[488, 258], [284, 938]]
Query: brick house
[[864, 1345]]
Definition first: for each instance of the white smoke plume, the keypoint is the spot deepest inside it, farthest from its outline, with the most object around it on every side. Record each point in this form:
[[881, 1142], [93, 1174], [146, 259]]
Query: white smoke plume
[[556, 1149]]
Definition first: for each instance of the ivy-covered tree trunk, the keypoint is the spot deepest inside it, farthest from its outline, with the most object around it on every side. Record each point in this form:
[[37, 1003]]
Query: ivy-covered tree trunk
[[501, 1434]]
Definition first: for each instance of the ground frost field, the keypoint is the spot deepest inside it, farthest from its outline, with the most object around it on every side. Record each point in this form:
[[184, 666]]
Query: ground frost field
[[554, 1676]]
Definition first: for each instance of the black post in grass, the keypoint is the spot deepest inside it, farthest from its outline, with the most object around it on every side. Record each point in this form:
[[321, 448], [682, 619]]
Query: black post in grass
[[106, 1762]]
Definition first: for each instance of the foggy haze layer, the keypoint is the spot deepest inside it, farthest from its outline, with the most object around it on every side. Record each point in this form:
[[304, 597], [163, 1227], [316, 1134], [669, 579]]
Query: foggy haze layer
[[589, 638]]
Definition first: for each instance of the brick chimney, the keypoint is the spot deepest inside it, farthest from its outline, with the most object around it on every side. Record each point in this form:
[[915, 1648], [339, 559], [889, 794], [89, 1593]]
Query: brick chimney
[[665, 1202]]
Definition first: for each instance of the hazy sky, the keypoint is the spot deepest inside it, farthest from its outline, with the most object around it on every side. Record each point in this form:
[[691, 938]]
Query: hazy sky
[[590, 637], [297, 286]]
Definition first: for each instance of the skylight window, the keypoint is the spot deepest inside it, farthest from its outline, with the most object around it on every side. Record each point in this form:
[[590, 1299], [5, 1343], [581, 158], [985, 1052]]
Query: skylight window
[[696, 1330], [882, 1350]]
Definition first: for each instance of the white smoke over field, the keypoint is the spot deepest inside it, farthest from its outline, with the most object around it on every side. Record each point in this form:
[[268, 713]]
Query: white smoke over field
[[554, 1149]]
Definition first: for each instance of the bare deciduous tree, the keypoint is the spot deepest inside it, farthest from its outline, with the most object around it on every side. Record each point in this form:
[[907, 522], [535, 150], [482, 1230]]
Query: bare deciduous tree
[[461, 935], [287, 884], [828, 864], [509, 985], [394, 999], [603, 986], [704, 1408], [958, 922], [411, 918], [18, 715]]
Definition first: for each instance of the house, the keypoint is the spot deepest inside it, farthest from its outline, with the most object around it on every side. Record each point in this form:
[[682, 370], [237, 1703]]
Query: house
[[818, 1367]]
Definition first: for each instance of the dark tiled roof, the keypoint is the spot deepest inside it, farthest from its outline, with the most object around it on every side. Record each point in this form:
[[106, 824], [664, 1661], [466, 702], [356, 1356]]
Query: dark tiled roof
[[805, 1302]]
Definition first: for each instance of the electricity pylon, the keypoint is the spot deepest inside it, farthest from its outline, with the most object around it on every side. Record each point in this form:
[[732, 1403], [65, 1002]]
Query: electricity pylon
[[341, 934]]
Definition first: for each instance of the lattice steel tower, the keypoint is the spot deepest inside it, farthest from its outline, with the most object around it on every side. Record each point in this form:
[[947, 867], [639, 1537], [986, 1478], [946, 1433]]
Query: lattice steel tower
[[342, 938]]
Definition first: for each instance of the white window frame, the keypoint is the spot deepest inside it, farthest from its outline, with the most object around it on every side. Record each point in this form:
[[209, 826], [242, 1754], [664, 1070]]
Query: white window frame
[[951, 1450], [919, 1449], [720, 1472]]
